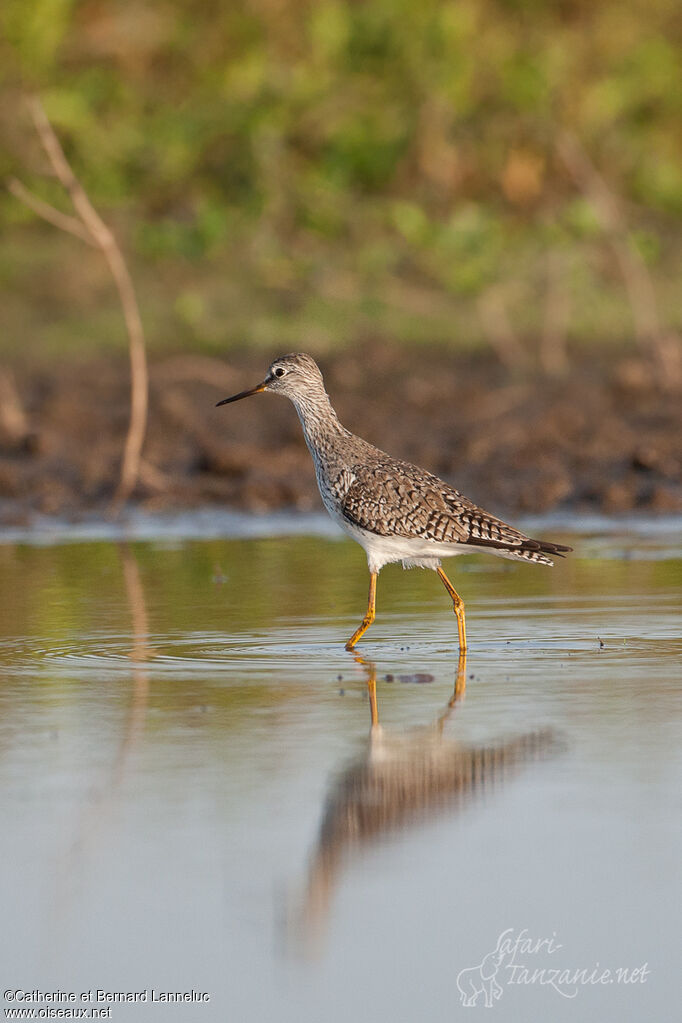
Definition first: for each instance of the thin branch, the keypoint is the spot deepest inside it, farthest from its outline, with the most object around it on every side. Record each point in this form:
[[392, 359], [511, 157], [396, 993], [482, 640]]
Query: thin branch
[[501, 335], [104, 239], [60, 165], [63, 221], [632, 267], [13, 419], [553, 357]]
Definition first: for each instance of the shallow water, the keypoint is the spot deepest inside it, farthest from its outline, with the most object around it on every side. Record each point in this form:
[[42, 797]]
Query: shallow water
[[192, 798]]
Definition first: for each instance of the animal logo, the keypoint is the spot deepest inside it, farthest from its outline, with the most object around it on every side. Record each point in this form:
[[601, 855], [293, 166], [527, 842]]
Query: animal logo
[[476, 980]]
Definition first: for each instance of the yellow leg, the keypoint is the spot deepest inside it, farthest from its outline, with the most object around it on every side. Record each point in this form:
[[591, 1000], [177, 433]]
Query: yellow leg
[[458, 605], [460, 679], [371, 612], [372, 693], [371, 672], [459, 690]]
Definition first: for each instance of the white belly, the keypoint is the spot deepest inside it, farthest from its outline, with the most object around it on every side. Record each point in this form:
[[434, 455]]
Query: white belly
[[414, 553]]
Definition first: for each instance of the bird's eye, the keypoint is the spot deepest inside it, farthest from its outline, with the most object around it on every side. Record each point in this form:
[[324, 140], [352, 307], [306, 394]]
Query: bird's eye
[[279, 372]]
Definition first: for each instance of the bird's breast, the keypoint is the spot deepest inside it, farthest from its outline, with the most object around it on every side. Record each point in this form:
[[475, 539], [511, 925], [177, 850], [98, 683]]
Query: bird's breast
[[333, 486]]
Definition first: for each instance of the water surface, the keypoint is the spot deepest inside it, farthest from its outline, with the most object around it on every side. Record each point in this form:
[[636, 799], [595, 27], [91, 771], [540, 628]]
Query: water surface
[[192, 798]]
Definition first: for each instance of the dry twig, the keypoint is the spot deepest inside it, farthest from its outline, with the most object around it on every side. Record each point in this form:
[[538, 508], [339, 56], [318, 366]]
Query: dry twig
[[13, 420], [89, 227], [553, 357], [635, 274], [501, 334], [54, 216]]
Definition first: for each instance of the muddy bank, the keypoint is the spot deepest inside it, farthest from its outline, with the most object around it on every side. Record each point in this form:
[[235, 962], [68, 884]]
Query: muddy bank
[[603, 438]]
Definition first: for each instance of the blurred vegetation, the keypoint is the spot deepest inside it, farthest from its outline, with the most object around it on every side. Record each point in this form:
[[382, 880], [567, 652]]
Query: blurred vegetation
[[293, 173]]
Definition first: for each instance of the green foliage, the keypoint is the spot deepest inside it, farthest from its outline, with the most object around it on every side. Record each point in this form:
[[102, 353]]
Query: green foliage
[[292, 146]]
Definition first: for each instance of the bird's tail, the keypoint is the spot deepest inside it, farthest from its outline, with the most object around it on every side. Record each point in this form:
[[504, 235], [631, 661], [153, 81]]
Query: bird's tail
[[534, 551]]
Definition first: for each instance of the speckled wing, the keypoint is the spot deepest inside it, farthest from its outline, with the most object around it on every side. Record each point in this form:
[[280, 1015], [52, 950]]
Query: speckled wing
[[398, 499]]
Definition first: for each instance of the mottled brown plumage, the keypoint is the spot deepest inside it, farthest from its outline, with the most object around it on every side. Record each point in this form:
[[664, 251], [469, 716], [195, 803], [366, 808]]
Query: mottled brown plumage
[[394, 498]]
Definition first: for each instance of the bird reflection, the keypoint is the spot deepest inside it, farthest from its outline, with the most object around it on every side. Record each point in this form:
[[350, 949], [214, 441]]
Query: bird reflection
[[401, 780], [371, 672]]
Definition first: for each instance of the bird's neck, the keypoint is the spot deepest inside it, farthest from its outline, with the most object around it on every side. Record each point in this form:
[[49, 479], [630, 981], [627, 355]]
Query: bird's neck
[[321, 427]]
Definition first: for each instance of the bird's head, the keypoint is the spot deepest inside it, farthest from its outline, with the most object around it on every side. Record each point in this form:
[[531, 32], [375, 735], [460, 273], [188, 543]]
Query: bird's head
[[296, 376]]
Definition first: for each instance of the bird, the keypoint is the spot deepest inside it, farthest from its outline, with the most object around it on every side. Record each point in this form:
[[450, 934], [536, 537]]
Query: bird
[[395, 510]]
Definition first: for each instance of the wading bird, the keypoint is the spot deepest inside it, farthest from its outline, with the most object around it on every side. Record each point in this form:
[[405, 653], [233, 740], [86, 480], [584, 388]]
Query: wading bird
[[395, 510]]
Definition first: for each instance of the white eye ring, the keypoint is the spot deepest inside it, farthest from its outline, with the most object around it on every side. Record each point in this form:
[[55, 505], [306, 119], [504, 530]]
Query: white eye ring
[[279, 372]]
